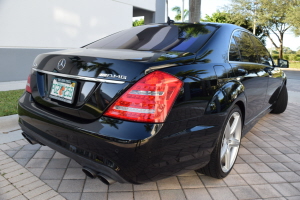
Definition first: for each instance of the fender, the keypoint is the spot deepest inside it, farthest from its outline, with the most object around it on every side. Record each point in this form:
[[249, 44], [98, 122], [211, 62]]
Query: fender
[[226, 96], [277, 92]]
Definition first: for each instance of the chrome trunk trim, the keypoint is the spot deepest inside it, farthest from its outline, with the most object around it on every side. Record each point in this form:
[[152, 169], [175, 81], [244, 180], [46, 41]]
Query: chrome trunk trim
[[78, 77]]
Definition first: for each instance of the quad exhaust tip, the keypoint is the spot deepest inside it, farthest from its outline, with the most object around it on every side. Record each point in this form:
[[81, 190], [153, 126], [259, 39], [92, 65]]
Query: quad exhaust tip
[[29, 139], [105, 179], [89, 172], [93, 174]]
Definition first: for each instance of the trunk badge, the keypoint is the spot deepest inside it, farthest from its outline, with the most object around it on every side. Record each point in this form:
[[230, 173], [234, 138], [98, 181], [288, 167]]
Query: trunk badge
[[61, 64], [112, 76]]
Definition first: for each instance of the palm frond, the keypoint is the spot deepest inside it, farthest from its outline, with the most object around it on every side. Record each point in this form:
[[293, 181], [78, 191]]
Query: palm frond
[[176, 9], [178, 17]]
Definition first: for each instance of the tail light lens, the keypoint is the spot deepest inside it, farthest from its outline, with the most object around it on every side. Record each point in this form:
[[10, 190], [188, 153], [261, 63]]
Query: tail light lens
[[148, 100], [28, 88]]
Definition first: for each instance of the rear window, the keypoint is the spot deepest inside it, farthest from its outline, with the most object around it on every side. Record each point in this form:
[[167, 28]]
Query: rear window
[[179, 37]]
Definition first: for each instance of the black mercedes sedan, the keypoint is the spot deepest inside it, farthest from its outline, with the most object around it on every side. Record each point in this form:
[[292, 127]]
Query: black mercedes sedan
[[153, 101]]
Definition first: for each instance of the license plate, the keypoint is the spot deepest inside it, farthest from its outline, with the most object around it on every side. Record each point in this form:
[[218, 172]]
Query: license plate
[[63, 90]]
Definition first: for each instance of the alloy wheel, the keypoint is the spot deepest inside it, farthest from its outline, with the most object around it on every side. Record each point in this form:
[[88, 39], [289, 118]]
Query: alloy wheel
[[231, 142]]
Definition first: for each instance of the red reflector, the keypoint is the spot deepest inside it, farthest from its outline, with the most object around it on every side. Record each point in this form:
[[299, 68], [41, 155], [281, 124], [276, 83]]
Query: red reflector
[[148, 100], [28, 88]]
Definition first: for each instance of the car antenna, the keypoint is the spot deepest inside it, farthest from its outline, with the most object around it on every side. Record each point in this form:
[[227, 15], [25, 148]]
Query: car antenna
[[170, 21]]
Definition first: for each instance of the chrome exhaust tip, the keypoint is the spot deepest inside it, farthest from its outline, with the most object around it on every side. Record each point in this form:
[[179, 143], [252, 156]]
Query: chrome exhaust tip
[[93, 174], [89, 172], [105, 179]]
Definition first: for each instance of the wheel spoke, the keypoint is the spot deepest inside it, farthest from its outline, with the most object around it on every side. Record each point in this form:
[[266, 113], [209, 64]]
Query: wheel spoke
[[234, 123], [227, 159], [227, 131], [223, 150], [234, 142]]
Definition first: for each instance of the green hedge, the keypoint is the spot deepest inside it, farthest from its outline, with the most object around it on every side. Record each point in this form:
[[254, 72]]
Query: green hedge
[[290, 57]]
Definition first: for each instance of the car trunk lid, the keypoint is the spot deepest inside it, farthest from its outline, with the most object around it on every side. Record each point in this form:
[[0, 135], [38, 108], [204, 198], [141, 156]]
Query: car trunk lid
[[81, 83]]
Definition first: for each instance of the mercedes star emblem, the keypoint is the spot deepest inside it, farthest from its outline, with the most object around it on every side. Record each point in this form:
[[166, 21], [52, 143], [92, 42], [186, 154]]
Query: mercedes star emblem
[[61, 64]]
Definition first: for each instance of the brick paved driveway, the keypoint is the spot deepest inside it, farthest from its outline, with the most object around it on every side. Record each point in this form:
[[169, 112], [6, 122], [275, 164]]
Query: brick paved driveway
[[268, 166]]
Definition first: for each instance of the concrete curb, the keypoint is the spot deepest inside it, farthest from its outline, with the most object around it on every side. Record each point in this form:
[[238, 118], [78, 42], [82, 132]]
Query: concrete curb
[[9, 123], [13, 85], [290, 69]]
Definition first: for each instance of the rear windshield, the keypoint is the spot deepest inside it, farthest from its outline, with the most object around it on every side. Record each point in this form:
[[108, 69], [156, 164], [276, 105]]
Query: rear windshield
[[161, 37]]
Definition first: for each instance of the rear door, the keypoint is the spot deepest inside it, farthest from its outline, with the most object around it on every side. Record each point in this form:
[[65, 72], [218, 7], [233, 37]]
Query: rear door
[[245, 63]]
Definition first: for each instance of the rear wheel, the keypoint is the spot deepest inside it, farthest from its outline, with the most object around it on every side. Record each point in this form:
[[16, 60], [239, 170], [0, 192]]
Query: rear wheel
[[281, 103], [225, 153]]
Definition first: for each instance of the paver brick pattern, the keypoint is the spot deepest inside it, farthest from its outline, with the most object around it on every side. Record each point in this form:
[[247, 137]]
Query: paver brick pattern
[[268, 166], [16, 182]]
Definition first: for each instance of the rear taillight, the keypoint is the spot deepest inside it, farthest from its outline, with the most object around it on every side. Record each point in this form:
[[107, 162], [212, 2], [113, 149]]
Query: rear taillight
[[148, 100], [28, 88]]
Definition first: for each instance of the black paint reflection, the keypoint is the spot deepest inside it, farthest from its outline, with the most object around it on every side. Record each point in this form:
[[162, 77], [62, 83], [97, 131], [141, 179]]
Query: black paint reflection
[[111, 122], [177, 37], [203, 57], [86, 90], [92, 66], [191, 74]]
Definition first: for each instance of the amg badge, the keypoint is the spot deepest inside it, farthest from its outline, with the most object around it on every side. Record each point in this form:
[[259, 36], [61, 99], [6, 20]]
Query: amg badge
[[113, 76]]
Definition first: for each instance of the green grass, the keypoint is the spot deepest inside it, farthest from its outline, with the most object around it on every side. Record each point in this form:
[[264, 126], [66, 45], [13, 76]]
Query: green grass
[[9, 102], [295, 65]]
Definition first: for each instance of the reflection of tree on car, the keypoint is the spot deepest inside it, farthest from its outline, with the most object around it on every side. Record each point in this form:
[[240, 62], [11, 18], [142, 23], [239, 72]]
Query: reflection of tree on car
[[192, 74], [188, 31], [111, 122], [96, 67]]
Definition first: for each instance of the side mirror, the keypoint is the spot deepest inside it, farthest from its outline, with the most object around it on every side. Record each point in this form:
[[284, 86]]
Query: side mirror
[[283, 63]]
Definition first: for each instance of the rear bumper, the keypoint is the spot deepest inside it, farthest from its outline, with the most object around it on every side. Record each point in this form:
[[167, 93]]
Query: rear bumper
[[124, 151], [85, 162]]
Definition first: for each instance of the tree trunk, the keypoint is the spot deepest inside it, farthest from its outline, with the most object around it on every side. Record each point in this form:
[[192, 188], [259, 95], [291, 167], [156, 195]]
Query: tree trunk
[[281, 51], [167, 9], [281, 46], [182, 11], [254, 26], [195, 10]]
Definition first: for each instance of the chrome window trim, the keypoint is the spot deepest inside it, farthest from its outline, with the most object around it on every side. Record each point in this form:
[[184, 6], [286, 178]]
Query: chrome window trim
[[78, 77], [252, 63], [231, 37], [230, 44], [240, 62]]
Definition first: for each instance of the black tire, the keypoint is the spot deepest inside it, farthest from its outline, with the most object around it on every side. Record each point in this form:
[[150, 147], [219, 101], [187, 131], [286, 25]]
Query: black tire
[[214, 167], [282, 101]]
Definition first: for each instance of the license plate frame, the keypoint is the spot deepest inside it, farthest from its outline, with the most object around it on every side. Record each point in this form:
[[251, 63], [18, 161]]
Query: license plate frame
[[63, 90]]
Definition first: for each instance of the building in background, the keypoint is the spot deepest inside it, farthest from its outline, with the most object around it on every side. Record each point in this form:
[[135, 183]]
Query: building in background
[[30, 27]]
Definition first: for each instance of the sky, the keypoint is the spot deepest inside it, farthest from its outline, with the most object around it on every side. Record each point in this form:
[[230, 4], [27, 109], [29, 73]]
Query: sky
[[211, 6]]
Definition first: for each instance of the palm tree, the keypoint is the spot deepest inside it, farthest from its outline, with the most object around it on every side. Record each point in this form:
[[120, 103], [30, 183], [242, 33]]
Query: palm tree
[[191, 74], [167, 8], [177, 9], [93, 66], [111, 122], [195, 10], [191, 30]]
